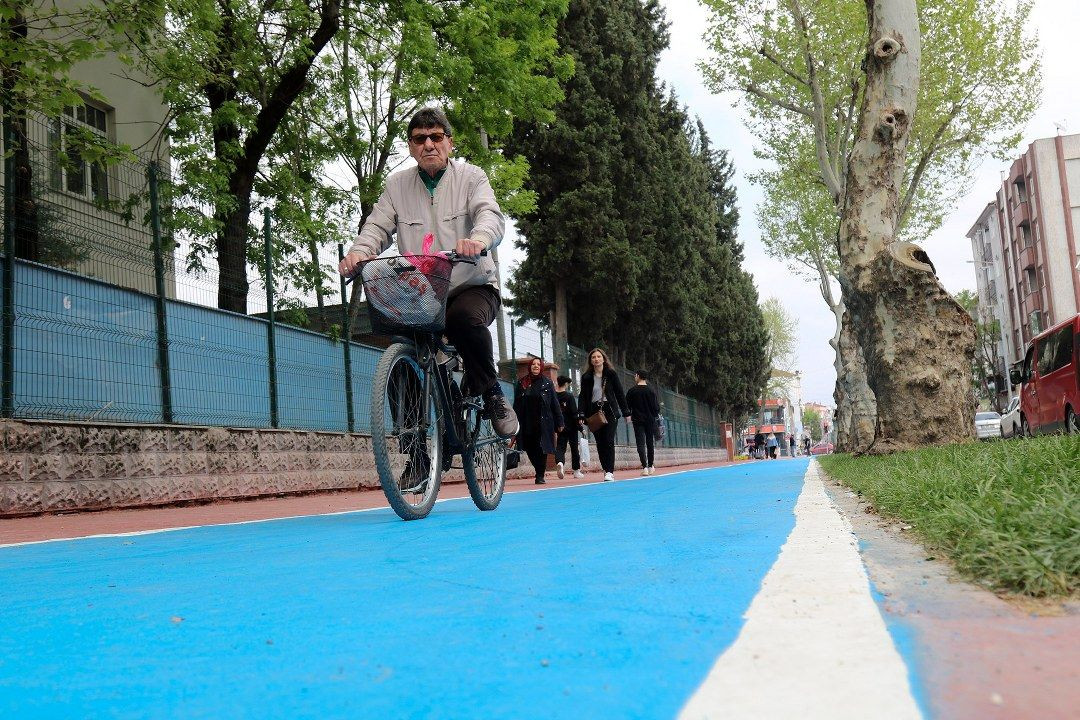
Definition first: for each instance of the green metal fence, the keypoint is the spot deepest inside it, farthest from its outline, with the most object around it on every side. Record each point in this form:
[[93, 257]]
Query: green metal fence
[[109, 311]]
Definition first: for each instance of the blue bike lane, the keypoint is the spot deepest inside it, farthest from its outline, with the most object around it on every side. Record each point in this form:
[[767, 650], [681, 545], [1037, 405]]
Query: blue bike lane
[[605, 600]]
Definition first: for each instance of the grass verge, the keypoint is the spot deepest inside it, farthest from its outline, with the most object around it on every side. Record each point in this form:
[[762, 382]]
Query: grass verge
[[1006, 512]]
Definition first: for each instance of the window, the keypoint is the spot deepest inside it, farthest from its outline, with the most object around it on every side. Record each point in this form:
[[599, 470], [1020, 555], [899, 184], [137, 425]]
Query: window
[[68, 171], [1025, 233], [1063, 346], [1031, 279], [1021, 190]]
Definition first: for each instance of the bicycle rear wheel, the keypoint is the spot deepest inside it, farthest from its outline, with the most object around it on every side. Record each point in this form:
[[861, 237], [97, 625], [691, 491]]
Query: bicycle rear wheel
[[484, 461], [406, 432]]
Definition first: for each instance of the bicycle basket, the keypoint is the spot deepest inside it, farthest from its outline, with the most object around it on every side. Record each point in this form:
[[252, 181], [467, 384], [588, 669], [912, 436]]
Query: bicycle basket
[[403, 297]]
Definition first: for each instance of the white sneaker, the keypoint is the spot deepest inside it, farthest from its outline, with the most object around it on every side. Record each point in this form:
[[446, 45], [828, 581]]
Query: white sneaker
[[579, 474], [652, 470], [559, 470], [608, 477], [644, 471]]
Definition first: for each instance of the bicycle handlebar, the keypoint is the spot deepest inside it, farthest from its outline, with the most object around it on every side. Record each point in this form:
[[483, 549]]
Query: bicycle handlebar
[[452, 255]]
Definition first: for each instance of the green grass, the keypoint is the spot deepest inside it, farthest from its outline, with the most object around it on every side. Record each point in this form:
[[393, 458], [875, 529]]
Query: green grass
[[1006, 512]]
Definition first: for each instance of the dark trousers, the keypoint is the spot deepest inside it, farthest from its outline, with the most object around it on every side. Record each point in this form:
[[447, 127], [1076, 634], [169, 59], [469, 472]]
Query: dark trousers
[[645, 433], [531, 445], [568, 437], [468, 315], [605, 446]]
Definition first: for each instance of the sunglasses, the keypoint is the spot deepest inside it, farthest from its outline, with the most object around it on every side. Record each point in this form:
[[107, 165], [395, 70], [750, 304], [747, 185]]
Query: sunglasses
[[421, 138]]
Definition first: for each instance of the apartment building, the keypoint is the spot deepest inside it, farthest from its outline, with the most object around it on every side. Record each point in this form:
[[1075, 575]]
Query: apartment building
[[1025, 244]]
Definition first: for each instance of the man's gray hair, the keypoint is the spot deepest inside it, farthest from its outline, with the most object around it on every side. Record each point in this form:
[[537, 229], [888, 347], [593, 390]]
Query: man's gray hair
[[430, 117]]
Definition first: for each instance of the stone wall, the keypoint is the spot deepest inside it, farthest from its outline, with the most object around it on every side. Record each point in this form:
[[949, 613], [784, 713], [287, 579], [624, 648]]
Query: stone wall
[[58, 466]]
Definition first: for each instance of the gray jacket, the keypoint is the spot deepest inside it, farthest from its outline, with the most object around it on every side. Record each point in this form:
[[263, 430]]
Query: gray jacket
[[463, 206]]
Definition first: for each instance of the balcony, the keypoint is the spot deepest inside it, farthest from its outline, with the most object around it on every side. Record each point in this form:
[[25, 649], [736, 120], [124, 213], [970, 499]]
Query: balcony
[[1025, 256]]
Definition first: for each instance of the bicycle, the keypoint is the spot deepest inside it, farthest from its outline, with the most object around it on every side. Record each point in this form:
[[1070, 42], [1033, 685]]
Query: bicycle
[[420, 418]]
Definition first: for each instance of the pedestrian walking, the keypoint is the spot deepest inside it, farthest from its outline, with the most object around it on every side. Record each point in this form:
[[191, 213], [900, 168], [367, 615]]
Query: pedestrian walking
[[538, 413], [791, 444], [600, 402], [759, 445], [771, 445], [806, 444], [644, 409], [569, 434]]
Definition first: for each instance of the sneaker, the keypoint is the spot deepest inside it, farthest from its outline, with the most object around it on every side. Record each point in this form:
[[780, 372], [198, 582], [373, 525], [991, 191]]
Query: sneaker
[[559, 470], [503, 418], [578, 474], [652, 470], [541, 481], [608, 477], [644, 471]]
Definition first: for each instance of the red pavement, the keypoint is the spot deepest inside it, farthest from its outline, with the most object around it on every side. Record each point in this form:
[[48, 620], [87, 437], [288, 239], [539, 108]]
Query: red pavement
[[82, 524]]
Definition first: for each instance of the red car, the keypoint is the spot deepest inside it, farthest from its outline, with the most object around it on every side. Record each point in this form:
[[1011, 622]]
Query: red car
[[824, 447], [1050, 381]]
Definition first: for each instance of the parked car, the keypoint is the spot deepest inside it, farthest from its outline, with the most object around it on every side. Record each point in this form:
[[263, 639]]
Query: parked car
[[1010, 419], [987, 425], [1050, 380], [823, 447]]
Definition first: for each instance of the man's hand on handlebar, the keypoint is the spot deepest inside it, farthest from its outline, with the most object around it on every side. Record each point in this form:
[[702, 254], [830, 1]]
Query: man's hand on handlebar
[[468, 247], [347, 266]]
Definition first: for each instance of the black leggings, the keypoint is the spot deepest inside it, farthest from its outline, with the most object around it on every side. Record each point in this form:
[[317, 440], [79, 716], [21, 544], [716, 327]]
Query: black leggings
[[531, 445], [605, 446], [644, 433]]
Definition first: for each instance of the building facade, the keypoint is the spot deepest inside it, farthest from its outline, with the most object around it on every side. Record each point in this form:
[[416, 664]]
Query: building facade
[[1025, 244]]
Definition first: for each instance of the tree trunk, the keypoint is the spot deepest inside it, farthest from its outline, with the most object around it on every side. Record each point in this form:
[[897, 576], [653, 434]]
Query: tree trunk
[[917, 341], [23, 206], [558, 325], [856, 407], [232, 242]]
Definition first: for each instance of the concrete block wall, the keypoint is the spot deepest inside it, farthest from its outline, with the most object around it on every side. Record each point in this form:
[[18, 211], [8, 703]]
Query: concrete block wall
[[58, 466]]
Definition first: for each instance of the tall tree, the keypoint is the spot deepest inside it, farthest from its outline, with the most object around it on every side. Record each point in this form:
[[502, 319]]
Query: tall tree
[[232, 71], [585, 171], [801, 71], [780, 350]]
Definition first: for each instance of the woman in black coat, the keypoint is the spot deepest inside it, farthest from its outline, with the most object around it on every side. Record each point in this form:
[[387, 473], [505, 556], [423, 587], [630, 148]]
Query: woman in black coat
[[539, 417], [601, 389]]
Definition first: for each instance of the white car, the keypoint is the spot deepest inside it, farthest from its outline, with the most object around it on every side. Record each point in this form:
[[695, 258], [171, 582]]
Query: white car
[[1010, 420], [987, 425]]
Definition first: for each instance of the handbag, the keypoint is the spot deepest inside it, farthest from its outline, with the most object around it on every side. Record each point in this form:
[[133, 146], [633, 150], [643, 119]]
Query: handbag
[[599, 418], [513, 458]]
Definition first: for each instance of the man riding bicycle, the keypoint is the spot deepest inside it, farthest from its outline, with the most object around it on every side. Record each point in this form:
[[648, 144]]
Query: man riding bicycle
[[454, 202]]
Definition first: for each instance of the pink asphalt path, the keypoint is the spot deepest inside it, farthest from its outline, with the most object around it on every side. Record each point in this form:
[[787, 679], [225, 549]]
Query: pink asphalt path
[[83, 524]]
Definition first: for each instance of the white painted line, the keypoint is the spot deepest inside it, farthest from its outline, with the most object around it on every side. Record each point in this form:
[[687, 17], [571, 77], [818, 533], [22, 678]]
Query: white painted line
[[814, 644], [311, 515]]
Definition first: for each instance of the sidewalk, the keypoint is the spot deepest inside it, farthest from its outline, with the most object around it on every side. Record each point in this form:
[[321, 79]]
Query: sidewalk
[[83, 524]]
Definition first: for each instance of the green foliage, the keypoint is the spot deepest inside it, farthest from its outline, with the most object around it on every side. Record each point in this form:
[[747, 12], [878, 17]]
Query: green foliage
[[798, 69], [811, 420], [636, 217], [1005, 512]]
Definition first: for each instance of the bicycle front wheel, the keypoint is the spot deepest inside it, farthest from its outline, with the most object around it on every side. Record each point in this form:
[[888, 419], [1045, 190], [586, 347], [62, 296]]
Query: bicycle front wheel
[[406, 432], [484, 461]]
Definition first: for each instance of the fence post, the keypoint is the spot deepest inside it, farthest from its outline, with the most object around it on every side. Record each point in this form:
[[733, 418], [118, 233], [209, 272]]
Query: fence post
[[346, 330], [271, 344], [7, 406], [159, 301], [513, 343], [541, 344]]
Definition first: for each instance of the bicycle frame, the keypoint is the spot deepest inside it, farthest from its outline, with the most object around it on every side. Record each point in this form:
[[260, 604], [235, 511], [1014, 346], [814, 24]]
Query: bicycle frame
[[438, 379]]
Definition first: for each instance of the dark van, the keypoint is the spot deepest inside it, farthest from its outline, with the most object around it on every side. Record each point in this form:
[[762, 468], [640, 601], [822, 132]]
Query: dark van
[[1050, 381]]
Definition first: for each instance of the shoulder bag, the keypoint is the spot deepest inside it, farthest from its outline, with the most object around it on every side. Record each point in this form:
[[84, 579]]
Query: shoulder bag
[[599, 419]]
